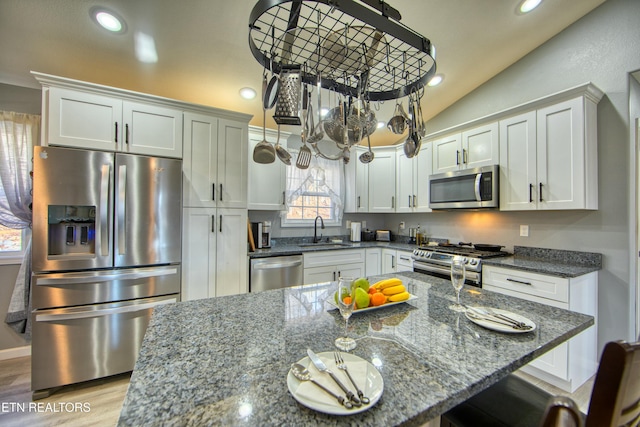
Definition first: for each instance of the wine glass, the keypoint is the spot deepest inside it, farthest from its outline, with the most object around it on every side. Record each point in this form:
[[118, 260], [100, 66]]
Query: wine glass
[[346, 301], [457, 280]]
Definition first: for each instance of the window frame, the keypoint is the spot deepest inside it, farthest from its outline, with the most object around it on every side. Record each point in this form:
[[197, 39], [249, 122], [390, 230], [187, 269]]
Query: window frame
[[16, 257]]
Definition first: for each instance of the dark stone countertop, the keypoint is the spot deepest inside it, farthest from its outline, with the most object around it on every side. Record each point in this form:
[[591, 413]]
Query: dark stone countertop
[[224, 361], [292, 247]]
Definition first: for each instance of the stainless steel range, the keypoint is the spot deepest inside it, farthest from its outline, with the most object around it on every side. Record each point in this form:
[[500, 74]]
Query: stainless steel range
[[436, 260]]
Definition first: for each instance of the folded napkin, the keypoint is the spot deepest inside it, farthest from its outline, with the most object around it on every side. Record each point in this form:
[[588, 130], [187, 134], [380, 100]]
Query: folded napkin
[[314, 395]]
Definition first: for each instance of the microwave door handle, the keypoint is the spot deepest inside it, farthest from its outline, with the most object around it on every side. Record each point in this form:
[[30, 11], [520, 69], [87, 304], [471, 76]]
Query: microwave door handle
[[122, 197], [477, 187], [103, 210]]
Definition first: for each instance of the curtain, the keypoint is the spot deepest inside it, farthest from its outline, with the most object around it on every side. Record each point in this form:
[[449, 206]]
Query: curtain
[[18, 133], [323, 176]]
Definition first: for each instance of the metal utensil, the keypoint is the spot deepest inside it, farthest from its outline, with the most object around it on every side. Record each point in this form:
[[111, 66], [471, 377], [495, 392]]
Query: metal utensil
[[323, 368], [304, 155], [497, 321], [367, 156], [398, 122], [264, 152], [341, 365], [282, 153], [492, 313], [301, 373]]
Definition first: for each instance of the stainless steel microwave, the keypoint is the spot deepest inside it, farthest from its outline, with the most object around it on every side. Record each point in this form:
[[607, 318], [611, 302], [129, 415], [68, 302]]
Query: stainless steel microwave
[[465, 189]]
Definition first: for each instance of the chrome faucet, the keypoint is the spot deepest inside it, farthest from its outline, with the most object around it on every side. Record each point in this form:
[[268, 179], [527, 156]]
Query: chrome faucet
[[315, 229]]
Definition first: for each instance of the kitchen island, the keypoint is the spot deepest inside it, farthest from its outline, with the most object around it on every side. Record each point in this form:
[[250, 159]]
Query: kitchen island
[[224, 361]]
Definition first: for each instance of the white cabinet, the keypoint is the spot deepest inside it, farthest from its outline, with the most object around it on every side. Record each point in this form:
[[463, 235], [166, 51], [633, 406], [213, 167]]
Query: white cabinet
[[215, 162], [266, 181], [214, 252], [382, 181], [469, 149], [357, 183], [548, 158], [373, 262], [395, 261], [80, 119], [405, 262], [412, 180], [571, 363], [327, 266]]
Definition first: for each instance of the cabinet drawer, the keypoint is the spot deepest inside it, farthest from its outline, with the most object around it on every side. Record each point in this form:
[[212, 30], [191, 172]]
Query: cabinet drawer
[[539, 285], [332, 258]]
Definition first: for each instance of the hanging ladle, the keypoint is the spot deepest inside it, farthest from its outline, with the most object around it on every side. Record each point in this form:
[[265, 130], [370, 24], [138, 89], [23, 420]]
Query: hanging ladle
[[282, 153], [264, 152]]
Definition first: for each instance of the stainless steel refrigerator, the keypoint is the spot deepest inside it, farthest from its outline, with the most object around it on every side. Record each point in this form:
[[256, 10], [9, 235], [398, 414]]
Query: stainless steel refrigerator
[[106, 250]]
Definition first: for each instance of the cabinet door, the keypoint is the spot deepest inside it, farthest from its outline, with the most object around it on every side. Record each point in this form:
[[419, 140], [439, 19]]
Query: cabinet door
[[404, 262], [373, 261], [480, 146], [200, 165], [561, 156], [83, 120], [266, 184], [231, 249], [350, 270], [518, 189], [232, 164], [404, 182], [362, 186], [152, 130], [447, 153], [319, 274], [382, 183], [198, 253], [422, 169], [389, 261]]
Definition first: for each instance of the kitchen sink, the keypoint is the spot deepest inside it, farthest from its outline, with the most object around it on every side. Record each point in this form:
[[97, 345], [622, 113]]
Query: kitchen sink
[[325, 245]]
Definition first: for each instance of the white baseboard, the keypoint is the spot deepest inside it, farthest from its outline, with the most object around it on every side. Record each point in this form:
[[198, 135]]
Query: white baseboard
[[12, 353]]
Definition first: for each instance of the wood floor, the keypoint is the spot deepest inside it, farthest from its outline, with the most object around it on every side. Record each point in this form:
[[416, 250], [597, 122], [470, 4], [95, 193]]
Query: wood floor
[[100, 401]]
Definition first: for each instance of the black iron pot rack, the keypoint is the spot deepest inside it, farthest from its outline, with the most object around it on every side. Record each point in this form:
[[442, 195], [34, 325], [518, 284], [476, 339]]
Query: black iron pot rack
[[352, 47]]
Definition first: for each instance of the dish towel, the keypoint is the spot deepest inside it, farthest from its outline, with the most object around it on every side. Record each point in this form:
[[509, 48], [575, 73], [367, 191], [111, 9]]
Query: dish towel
[[309, 391], [20, 305]]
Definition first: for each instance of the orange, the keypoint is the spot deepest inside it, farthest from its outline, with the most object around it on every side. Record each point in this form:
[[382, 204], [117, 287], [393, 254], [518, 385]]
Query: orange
[[378, 299], [372, 290], [347, 300]]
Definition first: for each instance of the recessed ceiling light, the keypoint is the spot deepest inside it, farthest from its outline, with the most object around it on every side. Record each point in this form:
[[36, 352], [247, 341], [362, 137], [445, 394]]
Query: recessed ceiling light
[[324, 111], [248, 93], [528, 5], [436, 80], [381, 125], [108, 20]]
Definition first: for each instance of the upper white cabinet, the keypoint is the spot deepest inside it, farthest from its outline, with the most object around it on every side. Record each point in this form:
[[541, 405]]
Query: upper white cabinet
[[357, 183], [412, 180], [80, 119], [266, 181], [382, 181], [469, 149], [548, 157], [215, 162]]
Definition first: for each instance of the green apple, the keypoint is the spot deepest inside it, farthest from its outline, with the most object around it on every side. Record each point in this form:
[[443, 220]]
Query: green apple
[[362, 298], [344, 294], [362, 283]]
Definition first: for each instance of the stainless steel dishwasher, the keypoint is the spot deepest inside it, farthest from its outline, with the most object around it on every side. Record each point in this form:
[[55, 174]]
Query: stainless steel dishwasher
[[275, 272]]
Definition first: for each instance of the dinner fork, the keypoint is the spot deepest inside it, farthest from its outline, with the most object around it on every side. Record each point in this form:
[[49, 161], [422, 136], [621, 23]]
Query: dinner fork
[[343, 366]]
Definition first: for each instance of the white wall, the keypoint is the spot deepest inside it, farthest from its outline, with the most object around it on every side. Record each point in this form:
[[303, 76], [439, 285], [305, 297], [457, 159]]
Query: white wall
[[603, 48]]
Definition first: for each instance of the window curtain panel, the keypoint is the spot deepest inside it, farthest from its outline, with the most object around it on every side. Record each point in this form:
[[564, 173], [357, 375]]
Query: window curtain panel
[[18, 133], [329, 174]]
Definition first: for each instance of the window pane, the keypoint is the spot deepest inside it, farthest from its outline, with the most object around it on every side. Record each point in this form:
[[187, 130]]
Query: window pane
[[10, 240]]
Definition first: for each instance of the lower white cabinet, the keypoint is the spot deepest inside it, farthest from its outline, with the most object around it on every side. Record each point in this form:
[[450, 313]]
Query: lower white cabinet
[[327, 266], [573, 362], [395, 261], [373, 262], [214, 252]]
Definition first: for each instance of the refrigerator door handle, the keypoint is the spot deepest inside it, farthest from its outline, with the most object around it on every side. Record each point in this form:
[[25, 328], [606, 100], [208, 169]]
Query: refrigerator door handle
[[104, 210], [122, 197], [83, 314], [92, 277]]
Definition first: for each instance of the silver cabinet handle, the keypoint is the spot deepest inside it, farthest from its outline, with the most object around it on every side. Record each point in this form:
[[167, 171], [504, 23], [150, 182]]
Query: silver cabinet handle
[[457, 157], [284, 199], [414, 200], [103, 210], [220, 224], [126, 134], [519, 281], [213, 191], [213, 223], [221, 192], [358, 201], [116, 138], [393, 201], [409, 205], [540, 192], [464, 156], [530, 193], [122, 199], [100, 312]]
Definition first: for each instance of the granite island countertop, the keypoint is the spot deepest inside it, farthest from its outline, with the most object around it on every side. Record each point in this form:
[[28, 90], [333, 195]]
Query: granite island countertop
[[224, 361]]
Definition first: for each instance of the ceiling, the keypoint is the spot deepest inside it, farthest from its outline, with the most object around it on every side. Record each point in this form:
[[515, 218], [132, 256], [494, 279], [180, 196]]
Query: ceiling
[[204, 57]]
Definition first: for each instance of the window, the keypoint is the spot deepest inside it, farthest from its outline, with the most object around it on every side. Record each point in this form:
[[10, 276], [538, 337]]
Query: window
[[12, 245], [312, 192]]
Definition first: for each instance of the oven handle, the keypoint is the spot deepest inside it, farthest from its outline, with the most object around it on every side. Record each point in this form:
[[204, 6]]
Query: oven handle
[[78, 278], [44, 317], [477, 187]]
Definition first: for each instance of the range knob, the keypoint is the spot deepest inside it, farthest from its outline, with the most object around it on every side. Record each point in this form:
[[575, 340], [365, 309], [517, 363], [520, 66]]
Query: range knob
[[473, 262]]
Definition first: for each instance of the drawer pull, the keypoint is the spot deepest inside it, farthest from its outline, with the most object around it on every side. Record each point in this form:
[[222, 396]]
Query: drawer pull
[[519, 281]]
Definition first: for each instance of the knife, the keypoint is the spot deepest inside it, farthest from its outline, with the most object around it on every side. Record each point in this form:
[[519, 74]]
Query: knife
[[323, 368]]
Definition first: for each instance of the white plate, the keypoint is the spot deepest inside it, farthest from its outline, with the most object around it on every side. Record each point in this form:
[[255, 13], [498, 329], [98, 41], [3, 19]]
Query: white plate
[[372, 385], [332, 302], [498, 327]]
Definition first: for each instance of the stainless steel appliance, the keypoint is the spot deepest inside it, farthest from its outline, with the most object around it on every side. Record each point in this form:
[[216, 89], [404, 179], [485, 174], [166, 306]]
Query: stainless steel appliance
[[465, 189], [106, 250], [262, 234], [436, 261], [275, 272]]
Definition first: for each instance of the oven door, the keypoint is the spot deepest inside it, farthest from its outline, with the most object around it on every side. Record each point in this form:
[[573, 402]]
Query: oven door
[[444, 272]]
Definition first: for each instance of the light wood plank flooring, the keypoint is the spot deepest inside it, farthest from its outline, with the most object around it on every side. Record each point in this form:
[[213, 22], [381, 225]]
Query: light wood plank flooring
[[105, 397]]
